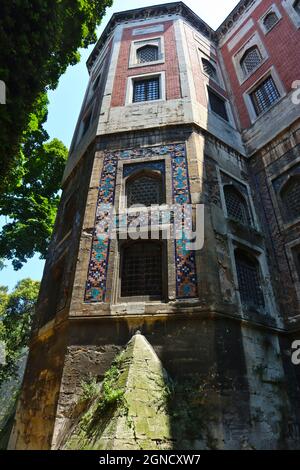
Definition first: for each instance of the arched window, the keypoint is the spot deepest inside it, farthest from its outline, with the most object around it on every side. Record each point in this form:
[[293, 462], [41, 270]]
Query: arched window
[[296, 6], [146, 54], [141, 273], [290, 195], [236, 205], [250, 60], [270, 20], [209, 69], [249, 279], [145, 189]]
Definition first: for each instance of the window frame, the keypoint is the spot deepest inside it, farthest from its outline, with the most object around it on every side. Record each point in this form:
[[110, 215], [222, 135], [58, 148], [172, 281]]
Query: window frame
[[145, 173], [134, 78], [254, 41], [123, 244], [273, 9], [202, 55], [288, 5], [247, 72], [244, 251], [230, 120], [157, 41], [247, 94], [249, 223], [288, 220]]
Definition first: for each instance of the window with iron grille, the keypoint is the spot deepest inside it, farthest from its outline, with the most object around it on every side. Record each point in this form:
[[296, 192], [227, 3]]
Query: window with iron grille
[[251, 60], [264, 96], [142, 270], [144, 190], [270, 20], [147, 54], [146, 90], [297, 6], [209, 69], [217, 104], [249, 280], [236, 205], [290, 196]]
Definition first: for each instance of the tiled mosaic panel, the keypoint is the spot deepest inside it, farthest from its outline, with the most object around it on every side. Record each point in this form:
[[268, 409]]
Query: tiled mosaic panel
[[186, 281], [97, 273]]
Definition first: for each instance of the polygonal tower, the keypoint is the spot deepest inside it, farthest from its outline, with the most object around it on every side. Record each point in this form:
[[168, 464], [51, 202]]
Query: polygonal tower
[[176, 114]]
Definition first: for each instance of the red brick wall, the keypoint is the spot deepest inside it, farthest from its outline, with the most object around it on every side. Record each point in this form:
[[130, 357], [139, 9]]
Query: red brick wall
[[170, 66], [200, 79], [281, 43]]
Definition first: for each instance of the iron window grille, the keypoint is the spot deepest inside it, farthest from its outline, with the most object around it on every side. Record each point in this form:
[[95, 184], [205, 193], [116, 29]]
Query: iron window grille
[[144, 191], [270, 20], [250, 60], [142, 270], [264, 96], [236, 205], [147, 54], [291, 198], [297, 6], [249, 280], [209, 69], [146, 90], [217, 105]]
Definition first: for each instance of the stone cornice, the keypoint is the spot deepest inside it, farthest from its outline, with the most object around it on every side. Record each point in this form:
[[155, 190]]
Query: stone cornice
[[234, 17], [174, 8]]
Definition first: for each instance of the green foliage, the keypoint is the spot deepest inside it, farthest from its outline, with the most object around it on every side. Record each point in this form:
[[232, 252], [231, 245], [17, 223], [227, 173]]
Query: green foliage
[[16, 313], [31, 197], [90, 389], [40, 39], [111, 394]]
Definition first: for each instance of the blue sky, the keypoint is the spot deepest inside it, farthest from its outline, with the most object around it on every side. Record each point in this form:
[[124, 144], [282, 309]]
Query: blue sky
[[65, 101]]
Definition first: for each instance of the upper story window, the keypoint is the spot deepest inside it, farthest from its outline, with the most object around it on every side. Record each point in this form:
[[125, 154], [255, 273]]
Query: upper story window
[[141, 273], [146, 54], [264, 96], [236, 205], [217, 104], [209, 69], [249, 279], [296, 6], [250, 60], [270, 20], [145, 189], [146, 89], [290, 195]]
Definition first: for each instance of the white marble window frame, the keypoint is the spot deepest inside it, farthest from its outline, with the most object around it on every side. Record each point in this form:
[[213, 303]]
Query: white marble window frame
[[130, 87], [135, 45], [253, 41], [288, 5], [273, 9]]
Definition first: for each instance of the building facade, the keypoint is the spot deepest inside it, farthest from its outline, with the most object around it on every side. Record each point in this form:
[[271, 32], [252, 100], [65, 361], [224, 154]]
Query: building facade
[[176, 113]]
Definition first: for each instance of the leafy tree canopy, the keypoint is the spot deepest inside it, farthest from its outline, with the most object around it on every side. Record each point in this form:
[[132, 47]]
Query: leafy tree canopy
[[31, 197], [39, 39], [16, 314]]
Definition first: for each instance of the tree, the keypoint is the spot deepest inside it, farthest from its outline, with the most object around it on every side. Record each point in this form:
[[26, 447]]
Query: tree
[[39, 39], [31, 196], [16, 314]]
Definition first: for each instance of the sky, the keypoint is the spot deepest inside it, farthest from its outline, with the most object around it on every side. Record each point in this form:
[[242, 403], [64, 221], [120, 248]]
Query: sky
[[66, 100]]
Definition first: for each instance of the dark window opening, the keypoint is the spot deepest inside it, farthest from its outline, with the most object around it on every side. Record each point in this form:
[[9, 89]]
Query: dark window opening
[[264, 96], [69, 215], [96, 83], [217, 105], [146, 90], [236, 205], [290, 196], [86, 123], [270, 20], [249, 280], [209, 69], [147, 54], [297, 6], [251, 60], [142, 270], [144, 190]]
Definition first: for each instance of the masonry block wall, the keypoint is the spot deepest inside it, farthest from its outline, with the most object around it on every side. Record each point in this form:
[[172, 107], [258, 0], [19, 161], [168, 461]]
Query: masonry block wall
[[207, 117]]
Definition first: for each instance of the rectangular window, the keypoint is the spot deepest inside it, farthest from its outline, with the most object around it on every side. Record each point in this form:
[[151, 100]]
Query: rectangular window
[[217, 105], [264, 96], [146, 90]]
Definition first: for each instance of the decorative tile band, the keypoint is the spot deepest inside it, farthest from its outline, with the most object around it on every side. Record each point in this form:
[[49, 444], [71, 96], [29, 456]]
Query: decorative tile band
[[97, 273], [186, 278]]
